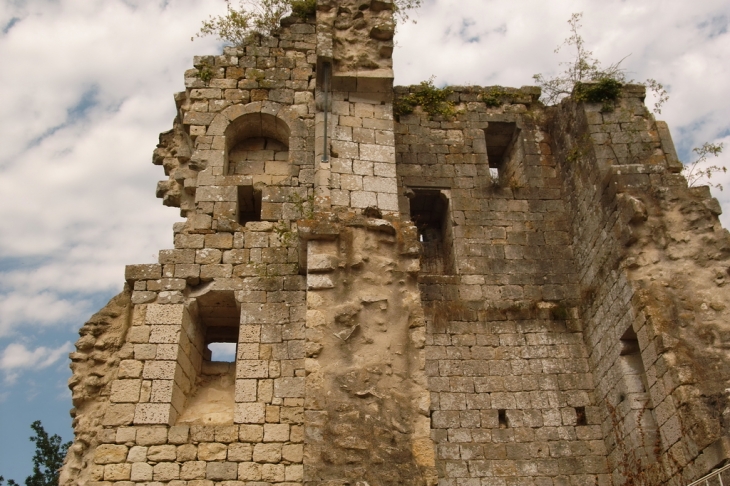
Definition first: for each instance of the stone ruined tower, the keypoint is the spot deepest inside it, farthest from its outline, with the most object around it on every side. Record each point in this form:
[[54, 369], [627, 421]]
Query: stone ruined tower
[[513, 295]]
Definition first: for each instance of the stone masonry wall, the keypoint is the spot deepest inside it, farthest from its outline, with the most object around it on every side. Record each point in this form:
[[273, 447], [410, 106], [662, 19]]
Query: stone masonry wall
[[515, 295], [511, 389]]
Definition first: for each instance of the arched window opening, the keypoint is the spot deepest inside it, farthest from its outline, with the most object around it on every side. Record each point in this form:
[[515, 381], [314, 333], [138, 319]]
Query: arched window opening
[[257, 144]]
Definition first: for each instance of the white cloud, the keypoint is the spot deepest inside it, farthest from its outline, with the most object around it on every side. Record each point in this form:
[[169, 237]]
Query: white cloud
[[16, 358], [42, 309]]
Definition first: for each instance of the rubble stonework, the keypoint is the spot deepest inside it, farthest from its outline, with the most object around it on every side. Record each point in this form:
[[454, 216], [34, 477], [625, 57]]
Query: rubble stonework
[[518, 294]]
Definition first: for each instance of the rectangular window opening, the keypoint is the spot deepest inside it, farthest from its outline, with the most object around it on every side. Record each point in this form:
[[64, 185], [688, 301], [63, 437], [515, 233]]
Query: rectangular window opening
[[580, 414], [499, 138], [630, 356], [219, 316], [430, 213], [249, 204]]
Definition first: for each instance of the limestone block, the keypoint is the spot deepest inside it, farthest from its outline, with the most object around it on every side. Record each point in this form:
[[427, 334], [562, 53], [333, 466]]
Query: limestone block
[[270, 453], [295, 473], [292, 452], [226, 433], [216, 193], [272, 472], [235, 257], [198, 118], [276, 433], [139, 334], [125, 434], [160, 453], [143, 297], [384, 185], [240, 452], [187, 452], [249, 471], [145, 351], [193, 470], [176, 256], [245, 390], [187, 270], [141, 471], [219, 240], [249, 333], [167, 351], [377, 153], [117, 472], [208, 256], [119, 414], [250, 413], [152, 413], [248, 351], [161, 334], [137, 454], [159, 370], [252, 368], [289, 387], [251, 433], [189, 241], [255, 240], [205, 93], [110, 454], [208, 272], [319, 282], [142, 272], [350, 182], [166, 471], [212, 451], [125, 391], [255, 313], [221, 471], [130, 368], [321, 262], [164, 314], [363, 199]]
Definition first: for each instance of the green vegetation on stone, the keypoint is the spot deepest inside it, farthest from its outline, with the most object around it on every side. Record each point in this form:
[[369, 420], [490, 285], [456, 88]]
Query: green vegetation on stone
[[431, 99]]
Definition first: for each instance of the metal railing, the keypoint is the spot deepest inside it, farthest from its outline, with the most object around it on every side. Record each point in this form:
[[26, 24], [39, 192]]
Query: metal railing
[[714, 478]]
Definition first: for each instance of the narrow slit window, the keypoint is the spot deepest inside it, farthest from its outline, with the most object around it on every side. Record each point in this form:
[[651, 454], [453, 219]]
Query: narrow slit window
[[633, 366], [430, 213], [502, 417], [499, 137]]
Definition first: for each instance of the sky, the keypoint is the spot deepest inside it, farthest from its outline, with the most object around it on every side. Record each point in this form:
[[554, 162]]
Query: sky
[[87, 86]]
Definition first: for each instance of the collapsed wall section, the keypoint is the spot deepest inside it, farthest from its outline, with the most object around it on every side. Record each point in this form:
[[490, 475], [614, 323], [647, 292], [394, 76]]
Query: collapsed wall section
[[652, 260]]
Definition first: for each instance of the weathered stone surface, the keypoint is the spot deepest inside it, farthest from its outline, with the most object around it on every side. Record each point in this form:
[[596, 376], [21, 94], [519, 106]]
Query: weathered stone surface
[[517, 294]]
